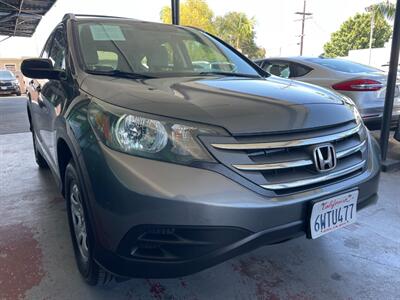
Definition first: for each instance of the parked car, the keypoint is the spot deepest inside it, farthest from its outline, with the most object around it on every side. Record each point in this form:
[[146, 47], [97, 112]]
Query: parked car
[[385, 67], [9, 84], [166, 170], [365, 85]]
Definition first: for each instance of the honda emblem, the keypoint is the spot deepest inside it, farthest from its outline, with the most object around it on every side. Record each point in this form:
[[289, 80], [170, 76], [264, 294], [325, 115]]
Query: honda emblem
[[325, 158]]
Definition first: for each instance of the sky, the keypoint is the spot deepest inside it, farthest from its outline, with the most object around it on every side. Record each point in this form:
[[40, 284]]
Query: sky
[[277, 29]]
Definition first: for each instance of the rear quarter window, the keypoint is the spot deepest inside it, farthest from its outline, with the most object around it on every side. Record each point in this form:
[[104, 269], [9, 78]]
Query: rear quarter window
[[300, 70]]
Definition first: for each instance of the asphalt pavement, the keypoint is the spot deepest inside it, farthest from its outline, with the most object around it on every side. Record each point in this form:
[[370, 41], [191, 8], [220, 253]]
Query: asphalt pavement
[[13, 117]]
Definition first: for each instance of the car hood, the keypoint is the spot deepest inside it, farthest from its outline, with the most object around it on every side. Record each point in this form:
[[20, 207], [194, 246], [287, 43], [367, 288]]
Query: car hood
[[240, 105]]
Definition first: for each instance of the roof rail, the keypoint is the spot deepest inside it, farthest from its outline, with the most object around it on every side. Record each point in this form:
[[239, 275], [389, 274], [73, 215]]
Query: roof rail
[[70, 16]]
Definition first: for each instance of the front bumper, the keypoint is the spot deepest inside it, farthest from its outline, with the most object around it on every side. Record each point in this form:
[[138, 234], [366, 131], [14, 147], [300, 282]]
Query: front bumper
[[124, 267], [133, 193], [8, 90]]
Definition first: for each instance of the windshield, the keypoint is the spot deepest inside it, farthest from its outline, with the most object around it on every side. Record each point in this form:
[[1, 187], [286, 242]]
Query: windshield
[[6, 75], [343, 65], [155, 50]]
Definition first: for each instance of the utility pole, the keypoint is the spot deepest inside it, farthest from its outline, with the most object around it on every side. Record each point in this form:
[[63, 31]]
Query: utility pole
[[370, 9], [303, 21], [371, 36]]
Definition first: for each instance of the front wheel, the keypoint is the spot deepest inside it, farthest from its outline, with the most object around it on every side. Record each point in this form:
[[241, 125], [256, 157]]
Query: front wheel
[[81, 234]]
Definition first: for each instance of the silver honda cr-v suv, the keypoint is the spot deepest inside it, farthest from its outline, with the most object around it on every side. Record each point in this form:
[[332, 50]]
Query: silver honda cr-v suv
[[175, 152]]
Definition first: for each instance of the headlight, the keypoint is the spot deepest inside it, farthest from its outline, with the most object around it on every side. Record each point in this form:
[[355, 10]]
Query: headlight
[[134, 133], [149, 136], [357, 115], [15, 82]]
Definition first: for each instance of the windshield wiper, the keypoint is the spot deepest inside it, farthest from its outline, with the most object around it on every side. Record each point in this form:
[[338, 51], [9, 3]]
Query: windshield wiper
[[228, 74], [119, 73]]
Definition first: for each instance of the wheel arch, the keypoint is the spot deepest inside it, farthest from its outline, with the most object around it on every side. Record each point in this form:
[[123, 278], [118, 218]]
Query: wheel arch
[[64, 155], [28, 111]]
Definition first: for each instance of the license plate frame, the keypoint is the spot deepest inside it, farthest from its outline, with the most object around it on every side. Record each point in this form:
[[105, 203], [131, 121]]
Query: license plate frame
[[332, 207]]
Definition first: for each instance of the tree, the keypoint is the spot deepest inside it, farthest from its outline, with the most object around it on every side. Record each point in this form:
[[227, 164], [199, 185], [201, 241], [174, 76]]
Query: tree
[[354, 34], [238, 30], [195, 13], [385, 9], [235, 28]]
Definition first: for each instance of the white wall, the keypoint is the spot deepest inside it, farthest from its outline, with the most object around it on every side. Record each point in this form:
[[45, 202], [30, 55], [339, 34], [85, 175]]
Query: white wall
[[379, 56]]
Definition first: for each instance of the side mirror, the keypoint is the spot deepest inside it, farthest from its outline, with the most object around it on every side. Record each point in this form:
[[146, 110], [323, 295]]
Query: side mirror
[[40, 68]]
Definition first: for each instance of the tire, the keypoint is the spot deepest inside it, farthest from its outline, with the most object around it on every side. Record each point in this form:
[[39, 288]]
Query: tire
[[41, 162], [18, 94], [81, 233]]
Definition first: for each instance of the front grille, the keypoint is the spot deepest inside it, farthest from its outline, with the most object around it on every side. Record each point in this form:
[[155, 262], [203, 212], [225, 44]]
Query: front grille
[[284, 163], [6, 83]]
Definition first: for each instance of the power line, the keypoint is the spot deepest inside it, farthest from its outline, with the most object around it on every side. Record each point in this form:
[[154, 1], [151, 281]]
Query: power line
[[6, 38], [305, 16]]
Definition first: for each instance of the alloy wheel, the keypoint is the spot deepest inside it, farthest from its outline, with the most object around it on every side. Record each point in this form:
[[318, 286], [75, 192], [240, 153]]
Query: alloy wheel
[[79, 222]]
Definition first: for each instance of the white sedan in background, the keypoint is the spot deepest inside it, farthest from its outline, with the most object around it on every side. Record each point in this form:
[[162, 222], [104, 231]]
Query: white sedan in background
[[365, 85]]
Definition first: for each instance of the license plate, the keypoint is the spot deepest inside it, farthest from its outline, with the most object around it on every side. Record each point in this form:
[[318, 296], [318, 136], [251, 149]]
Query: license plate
[[3, 87], [333, 213]]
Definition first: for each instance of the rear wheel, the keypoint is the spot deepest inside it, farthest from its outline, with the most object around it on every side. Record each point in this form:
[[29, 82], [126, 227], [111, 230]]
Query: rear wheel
[[81, 233]]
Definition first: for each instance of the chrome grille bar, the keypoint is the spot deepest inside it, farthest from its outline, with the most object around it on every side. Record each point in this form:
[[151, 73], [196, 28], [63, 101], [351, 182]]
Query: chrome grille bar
[[303, 182], [295, 163], [274, 166], [289, 144], [350, 151]]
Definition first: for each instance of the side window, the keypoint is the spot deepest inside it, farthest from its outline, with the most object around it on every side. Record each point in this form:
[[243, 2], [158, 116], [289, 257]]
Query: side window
[[265, 65], [58, 50], [259, 63], [46, 50], [300, 70], [279, 68]]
